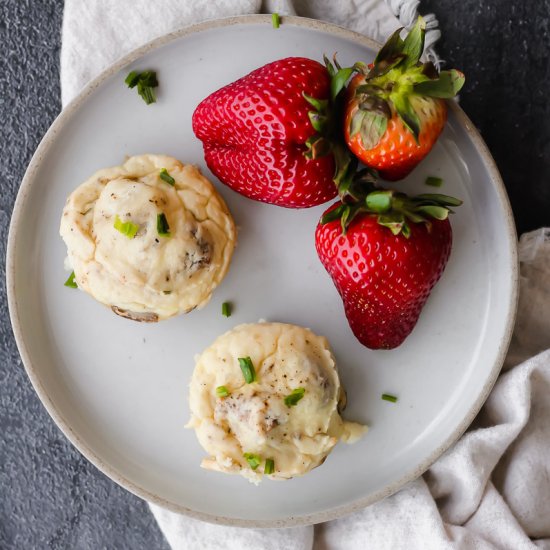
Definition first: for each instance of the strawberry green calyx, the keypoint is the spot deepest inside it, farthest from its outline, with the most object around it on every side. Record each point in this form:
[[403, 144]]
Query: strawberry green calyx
[[326, 113], [395, 210], [340, 75], [393, 84], [320, 143], [325, 118]]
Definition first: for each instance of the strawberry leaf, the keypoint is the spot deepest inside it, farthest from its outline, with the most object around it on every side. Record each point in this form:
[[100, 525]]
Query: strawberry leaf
[[373, 128], [338, 81], [318, 121], [429, 70], [414, 217], [319, 105], [437, 212], [393, 221], [330, 67], [346, 166], [356, 122], [333, 215], [317, 146], [361, 67], [376, 104], [385, 65], [413, 45], [446, 86], [407, 113], [437, 198], [344, 219], [379, 201], [368, 89], [367, 178], [393, 46]]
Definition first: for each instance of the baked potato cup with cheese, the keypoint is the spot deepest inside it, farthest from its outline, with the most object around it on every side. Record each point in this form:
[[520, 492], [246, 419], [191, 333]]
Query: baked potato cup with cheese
[[265, 399], [150, 239]]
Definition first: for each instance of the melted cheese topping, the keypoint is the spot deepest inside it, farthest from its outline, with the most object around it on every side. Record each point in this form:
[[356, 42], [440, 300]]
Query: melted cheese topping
[[254, 417], [148, 277]]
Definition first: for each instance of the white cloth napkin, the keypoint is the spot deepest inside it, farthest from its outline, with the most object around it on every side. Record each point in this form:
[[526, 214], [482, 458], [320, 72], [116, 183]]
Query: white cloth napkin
[[98, 32], [492, 489]]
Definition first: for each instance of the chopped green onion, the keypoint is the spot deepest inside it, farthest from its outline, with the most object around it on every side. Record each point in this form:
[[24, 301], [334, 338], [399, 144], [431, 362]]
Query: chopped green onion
[[132, 79], [70, 282], [294, 396], [165, 176], [149, 78], [126, 228], [222, 391], [253, 460], [389, 397], [275, 20], [146, 93], [269, 467], [163, 229], [247, 369], [226, 309], [145, 82], [432, 181]]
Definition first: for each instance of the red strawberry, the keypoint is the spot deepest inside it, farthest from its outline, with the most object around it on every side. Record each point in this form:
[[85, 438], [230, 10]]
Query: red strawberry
[[258, 133], [395, 109], [386, 263]]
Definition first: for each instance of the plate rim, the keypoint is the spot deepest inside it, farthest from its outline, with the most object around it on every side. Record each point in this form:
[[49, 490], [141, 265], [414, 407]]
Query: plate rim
[[23, 194]]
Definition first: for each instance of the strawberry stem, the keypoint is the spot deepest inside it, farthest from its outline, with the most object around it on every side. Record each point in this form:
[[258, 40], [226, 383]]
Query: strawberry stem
[[393, 209], [325, 118], [395, 76]]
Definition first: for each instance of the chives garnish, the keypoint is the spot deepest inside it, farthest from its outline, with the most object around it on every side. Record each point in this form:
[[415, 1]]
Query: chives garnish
[[126, 228], [132, 79], [146, 93], [247, 369], [149, 78], [145, 82], [70, 282], [226, 309], [252, 459], [389, 397], [433, 181], [163, 229], [222, 391], [165, 176], [275, 20], [269, 467], [294, 396]]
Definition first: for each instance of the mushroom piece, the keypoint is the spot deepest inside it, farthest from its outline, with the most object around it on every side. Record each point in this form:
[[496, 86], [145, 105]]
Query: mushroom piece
[[144, 317], [145, 247]]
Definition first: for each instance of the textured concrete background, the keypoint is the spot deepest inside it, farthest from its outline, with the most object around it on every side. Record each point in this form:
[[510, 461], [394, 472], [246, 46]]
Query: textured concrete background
[[50, 497]]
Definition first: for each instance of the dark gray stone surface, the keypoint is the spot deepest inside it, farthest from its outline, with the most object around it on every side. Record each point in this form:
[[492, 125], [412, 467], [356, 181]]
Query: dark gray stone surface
[[503, 48], [50, 497]]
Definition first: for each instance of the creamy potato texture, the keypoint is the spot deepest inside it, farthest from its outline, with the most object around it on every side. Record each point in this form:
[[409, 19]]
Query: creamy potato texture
[[253, 420], [148, 276]]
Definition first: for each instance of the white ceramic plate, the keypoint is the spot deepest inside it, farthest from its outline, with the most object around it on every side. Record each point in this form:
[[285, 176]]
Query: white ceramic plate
[[118, 389]]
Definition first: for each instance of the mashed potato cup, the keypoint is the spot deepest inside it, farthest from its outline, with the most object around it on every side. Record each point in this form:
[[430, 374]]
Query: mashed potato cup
[[266, 399], [150, 239]]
